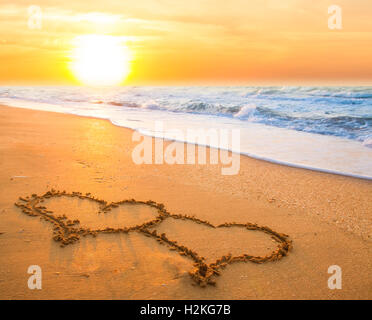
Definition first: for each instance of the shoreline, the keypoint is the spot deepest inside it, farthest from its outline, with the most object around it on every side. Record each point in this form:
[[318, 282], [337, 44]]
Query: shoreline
[[327, 216], [246, 154]]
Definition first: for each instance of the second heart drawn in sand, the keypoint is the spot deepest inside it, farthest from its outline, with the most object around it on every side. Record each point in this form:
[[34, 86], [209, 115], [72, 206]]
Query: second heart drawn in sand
[[68, 231]]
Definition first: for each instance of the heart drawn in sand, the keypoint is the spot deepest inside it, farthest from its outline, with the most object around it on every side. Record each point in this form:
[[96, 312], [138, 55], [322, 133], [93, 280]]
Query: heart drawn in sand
[[68, 231]]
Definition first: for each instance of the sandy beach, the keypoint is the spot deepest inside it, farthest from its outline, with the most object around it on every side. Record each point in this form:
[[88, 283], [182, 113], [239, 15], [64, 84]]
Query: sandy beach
[[327, 217]]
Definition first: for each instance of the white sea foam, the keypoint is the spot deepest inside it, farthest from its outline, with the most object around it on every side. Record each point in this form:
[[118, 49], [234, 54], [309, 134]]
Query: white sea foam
[[245, 111]]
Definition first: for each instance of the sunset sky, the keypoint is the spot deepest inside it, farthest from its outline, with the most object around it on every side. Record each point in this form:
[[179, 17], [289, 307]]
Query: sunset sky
[[194, 41]]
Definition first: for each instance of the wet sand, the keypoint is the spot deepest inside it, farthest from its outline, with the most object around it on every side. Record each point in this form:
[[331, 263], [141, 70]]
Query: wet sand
[[327, 217]]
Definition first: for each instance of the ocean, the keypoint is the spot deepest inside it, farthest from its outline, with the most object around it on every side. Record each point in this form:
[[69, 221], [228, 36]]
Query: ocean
[[319, 128]]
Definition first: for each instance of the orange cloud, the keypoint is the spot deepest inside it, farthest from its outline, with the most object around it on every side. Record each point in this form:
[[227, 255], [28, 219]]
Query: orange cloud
[[195, 42]]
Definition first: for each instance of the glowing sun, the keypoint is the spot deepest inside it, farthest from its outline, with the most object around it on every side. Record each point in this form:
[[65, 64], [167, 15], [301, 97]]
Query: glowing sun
[[100, 60]]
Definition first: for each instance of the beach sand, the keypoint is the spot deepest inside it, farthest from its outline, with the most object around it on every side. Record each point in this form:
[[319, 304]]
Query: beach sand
[[328, 218]]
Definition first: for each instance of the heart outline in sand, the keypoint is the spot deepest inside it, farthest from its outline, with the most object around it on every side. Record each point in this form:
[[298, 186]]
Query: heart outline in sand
[[67, 232]]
